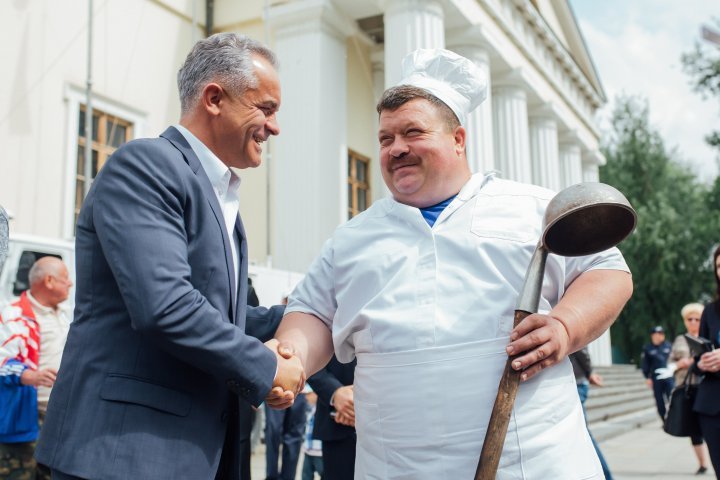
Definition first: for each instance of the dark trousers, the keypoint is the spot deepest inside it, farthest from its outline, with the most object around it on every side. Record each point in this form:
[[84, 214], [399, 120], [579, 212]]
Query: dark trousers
[[710, 427], [247, 422], [229, 458], [662, 390], [286, 427], [17, 459], [339, 458]]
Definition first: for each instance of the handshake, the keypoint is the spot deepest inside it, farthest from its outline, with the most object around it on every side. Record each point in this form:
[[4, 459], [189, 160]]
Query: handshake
[[289, 379]]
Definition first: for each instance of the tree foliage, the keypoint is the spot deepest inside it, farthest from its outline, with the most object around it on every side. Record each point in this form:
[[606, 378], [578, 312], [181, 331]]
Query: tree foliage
[[677, 228], [703, 66]]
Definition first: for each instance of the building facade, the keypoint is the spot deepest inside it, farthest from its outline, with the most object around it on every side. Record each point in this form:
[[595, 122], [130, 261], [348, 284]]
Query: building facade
[[336, 58]]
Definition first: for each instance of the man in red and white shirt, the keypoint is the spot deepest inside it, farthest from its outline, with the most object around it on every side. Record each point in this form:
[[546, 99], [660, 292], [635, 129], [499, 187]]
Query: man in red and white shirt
[[33, 331]]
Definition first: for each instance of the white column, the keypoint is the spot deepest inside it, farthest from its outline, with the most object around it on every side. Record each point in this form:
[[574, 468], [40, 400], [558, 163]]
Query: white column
[[591, 161], [590, 172], [512, 146], [600, 350], [310, 154], [378, 72], [544, 150], [409, 25], [377, 184], [570, 164], [479, 145]]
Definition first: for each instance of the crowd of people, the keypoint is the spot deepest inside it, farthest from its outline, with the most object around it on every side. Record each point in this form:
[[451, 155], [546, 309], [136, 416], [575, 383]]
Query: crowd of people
[[667, 366], [407, 309]]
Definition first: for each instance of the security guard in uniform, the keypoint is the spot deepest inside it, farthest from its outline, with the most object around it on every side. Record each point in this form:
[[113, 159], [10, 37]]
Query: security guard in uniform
[[655, 356]]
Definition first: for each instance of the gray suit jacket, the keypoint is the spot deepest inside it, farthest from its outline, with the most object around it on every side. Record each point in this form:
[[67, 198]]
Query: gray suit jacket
[[157, 355]]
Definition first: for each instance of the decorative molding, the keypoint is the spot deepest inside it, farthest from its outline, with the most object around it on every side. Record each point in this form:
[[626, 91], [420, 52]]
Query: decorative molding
[[552, 69], [516, 77], [594, 157], [569, 138], [432, 7], [550, 40], [546, 110], [308, 17]]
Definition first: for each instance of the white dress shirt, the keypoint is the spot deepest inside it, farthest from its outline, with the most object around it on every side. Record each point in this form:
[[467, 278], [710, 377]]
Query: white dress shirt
[[225, 184]]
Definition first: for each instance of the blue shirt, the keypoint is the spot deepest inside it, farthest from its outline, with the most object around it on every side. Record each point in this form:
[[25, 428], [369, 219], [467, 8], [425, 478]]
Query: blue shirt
[[431, 213]]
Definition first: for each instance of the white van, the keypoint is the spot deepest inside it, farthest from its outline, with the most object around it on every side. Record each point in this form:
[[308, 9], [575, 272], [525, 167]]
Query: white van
[[23, 251]]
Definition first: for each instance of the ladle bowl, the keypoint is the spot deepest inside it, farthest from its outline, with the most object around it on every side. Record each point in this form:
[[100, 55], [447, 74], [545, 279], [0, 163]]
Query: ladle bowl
[[587, 218]]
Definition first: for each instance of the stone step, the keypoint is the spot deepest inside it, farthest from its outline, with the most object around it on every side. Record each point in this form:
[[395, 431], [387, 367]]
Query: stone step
[[620, 373], [627, 406], [624, 403], [613, 390], [596, 401], [617, 367], [612, 372], [604, 430]]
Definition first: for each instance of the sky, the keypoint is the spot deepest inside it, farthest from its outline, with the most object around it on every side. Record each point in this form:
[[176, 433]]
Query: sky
[[636, 47]]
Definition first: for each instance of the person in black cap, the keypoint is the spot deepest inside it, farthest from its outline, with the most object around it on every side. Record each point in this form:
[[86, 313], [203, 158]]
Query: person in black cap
[[654, 357]]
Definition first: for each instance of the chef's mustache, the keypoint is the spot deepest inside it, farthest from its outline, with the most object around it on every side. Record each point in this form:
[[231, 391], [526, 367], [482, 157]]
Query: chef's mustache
[[402, 161]]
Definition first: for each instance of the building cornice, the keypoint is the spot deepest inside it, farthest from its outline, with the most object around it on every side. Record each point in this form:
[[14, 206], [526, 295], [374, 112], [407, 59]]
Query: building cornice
[[310, 16], [582, 101], [560, 53]]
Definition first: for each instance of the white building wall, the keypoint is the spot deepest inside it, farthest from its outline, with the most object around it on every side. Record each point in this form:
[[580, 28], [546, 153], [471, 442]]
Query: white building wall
[[330, 76], [138, 46], [310, 188], [361, 113]]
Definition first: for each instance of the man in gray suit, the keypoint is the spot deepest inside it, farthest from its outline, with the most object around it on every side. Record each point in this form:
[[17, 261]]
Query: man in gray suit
[[157, 360]]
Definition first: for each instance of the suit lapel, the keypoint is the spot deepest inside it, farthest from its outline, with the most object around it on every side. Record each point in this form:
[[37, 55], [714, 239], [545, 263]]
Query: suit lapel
[[177, 139], [241, 297]]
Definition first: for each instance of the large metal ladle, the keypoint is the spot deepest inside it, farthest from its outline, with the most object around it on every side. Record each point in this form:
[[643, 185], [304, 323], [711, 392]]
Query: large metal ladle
[[580, 220]]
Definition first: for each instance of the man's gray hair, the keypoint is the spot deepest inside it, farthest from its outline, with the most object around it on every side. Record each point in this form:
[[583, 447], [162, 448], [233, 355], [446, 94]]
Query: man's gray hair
[[225, 58]]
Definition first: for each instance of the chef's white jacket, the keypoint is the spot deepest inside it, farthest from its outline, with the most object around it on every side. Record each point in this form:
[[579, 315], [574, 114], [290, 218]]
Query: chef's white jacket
[[427, 312]]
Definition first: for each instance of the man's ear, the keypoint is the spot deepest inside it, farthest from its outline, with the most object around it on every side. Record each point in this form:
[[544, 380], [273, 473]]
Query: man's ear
[[459, 136], [211, 98]]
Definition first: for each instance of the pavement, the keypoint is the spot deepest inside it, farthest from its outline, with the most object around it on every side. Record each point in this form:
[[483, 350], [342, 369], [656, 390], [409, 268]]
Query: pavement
[[649, 453], [640, 454]]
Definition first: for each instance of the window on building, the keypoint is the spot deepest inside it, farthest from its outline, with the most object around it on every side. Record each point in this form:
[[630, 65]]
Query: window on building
[[358, 183], [109, 132]]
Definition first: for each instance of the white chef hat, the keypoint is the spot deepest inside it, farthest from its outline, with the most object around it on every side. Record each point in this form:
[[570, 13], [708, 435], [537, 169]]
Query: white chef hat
[[455, 80]]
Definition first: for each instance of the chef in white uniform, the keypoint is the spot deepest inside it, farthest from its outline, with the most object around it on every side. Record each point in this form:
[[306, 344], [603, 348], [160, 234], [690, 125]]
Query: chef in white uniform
[[421, 289]]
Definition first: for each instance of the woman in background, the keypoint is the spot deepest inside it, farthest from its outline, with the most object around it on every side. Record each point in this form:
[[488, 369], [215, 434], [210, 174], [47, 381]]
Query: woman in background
[[680, 355], [707, 402]]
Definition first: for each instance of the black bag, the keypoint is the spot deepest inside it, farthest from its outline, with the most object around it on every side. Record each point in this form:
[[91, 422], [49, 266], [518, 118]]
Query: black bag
[[680, 420]]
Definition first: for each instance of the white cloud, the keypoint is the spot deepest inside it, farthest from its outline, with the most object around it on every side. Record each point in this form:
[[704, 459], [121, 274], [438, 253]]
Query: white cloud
[[637, 51]]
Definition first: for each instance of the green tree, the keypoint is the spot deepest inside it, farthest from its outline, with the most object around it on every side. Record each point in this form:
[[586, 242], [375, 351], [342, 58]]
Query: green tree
[[669, 249], [703, 66]]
